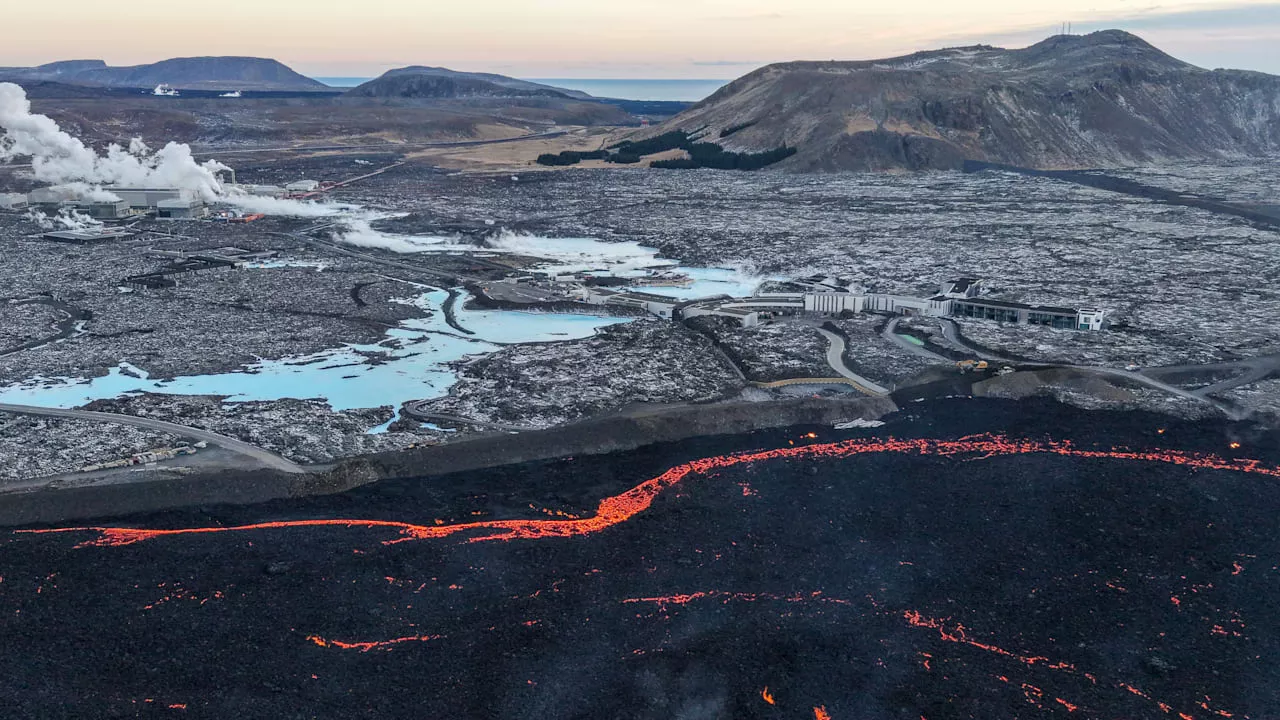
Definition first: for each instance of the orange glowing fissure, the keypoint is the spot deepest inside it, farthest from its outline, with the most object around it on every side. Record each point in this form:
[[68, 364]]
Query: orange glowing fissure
[[957, 633], [368, 646], [621, 508]]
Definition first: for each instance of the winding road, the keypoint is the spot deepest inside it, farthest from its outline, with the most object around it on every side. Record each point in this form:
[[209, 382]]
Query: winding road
[[1250, 371], [835, 358], [950, 331], [264, 457], [418, 411], [890, 333]]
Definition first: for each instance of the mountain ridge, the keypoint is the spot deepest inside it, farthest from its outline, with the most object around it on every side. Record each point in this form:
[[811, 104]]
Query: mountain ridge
[[192, 73], [1100, 100], [419, 81]]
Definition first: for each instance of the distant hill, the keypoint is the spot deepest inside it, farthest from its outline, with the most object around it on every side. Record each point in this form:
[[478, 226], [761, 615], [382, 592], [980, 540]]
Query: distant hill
[[434, 82], [1105, 99], [199, 73]]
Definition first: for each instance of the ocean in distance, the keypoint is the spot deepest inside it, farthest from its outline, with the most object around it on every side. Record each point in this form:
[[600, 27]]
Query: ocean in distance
[[627, 89]]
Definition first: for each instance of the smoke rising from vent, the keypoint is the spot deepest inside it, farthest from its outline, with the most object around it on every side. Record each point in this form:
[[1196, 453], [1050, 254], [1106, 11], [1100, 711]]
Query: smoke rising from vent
[[66, 219], [59, 158], [284, 207]]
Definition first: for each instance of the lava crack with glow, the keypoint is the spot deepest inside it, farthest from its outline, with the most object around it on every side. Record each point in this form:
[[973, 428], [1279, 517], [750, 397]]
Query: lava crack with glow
[[621, 508]]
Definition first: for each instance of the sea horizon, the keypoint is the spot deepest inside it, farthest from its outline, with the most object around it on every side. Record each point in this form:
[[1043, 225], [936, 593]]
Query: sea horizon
[[647, 89]]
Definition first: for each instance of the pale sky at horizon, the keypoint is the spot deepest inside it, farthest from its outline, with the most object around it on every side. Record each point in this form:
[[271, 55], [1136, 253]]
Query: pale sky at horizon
[[598, 39]]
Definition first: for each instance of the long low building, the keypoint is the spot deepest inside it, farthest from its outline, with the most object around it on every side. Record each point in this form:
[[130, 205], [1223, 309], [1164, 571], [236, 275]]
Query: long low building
[[660, 305], [956, 298], [1062, 318], [86, 236], [836, 296]]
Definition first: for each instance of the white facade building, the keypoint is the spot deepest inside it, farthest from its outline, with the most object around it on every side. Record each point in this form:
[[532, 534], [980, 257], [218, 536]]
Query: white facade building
[[834, 303], [1091, 319]]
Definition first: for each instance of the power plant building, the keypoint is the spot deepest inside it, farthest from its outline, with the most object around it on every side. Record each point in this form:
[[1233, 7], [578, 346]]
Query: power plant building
[[105, 210], [305, 186], [149, 198], [182, 209]]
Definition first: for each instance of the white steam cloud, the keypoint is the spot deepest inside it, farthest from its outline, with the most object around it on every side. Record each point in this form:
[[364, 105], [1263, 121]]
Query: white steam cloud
[[569, 255], [360, 233], [59, 158], [66, 219], [284, 207]]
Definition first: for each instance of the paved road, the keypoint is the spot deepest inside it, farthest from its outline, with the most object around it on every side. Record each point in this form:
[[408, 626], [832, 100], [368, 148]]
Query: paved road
[[1250, 371], [951, 333], [416, 411], [71, 324], [891, 334], [835, 358], [268, 459]]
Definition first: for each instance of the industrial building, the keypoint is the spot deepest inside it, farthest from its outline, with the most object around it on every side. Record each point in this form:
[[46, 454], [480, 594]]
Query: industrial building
[[128, 202], [745, 317], [182, 263], [1061, 318], [830, 296], [955, 298], [148, 198], [304, 186], [261, 190], [105, 210], [13, 202], [182, 209], [660, 305], [166, 277], [87, 236]]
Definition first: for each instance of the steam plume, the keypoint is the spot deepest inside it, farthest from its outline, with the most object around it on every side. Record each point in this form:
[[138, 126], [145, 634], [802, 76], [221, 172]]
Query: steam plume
[[59, 158]]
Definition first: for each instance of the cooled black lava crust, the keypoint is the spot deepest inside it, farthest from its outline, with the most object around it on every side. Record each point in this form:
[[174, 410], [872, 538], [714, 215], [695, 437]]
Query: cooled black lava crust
[[875, 586]]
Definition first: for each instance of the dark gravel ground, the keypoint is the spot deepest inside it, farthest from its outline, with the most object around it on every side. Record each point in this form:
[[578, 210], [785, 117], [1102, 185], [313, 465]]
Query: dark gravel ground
[[1041, 583]]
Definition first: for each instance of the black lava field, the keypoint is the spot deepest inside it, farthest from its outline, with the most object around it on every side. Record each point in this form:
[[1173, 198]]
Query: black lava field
[[970, 559]]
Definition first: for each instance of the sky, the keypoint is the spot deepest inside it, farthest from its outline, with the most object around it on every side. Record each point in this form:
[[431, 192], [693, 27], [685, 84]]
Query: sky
[[611, 38]]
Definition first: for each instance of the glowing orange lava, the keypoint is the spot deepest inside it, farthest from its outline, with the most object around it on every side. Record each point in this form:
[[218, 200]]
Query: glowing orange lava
[[621, 508], [767, 696], [956, 633], [365, 647], [820, 713], [727, 597]]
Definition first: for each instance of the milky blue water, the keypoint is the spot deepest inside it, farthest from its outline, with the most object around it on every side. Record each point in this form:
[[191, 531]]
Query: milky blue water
[[416, 358], [708, 282], [413, 361]]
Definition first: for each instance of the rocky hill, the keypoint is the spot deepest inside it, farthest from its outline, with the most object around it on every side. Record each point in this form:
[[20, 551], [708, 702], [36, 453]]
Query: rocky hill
[[200, 73], [1098, 100], [436, 83]]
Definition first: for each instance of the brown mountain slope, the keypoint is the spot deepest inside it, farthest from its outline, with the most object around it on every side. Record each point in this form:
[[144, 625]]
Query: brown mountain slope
[[1099, 100]]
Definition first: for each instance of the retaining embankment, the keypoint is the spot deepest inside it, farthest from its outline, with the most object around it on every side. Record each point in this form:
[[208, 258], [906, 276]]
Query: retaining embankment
[[620, 432]]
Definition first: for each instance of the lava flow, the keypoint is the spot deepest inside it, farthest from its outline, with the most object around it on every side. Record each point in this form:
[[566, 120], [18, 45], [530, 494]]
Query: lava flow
[[621, 508], [365, 647]]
